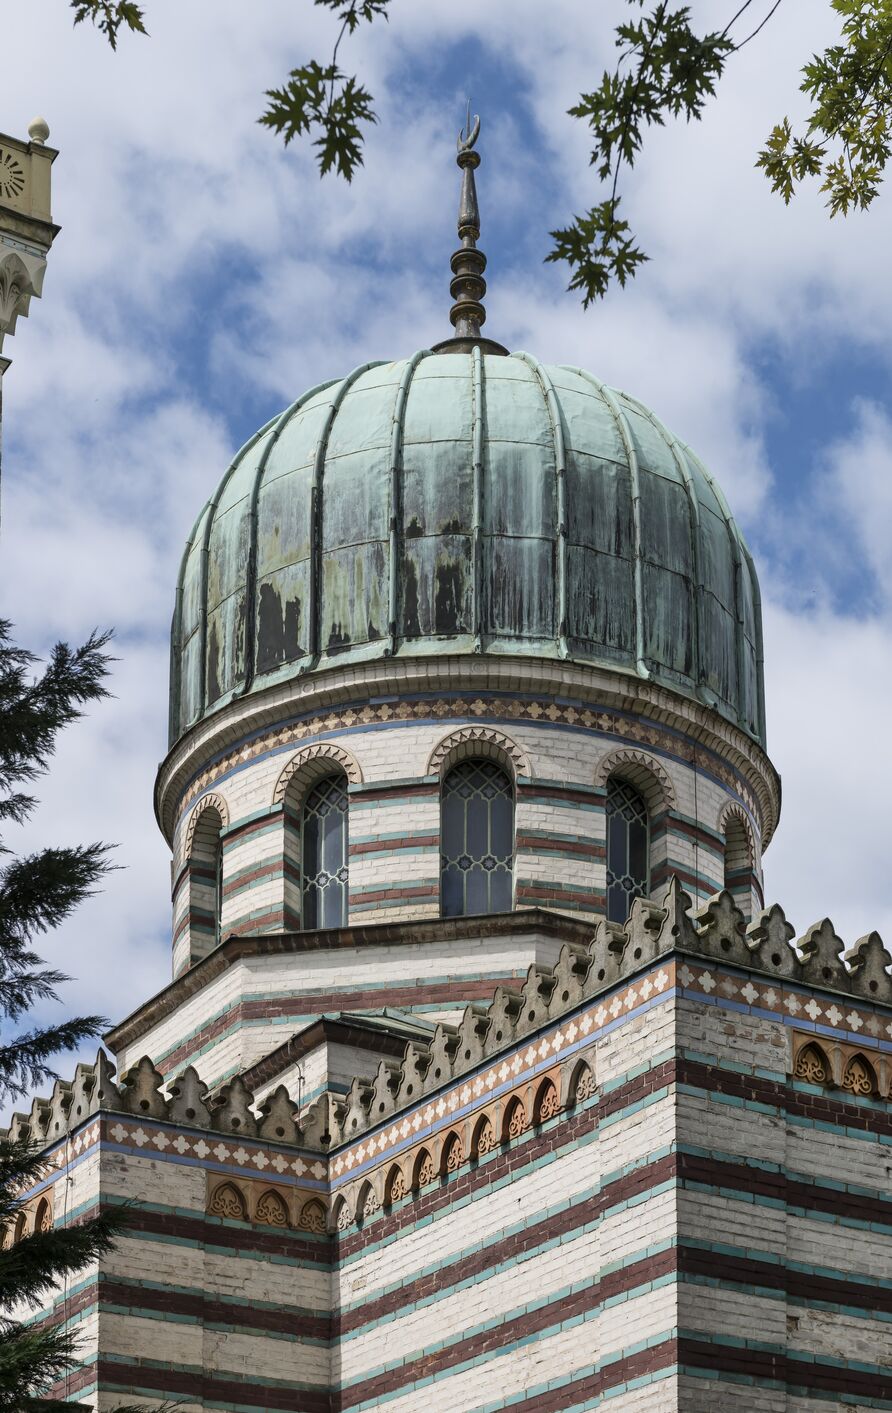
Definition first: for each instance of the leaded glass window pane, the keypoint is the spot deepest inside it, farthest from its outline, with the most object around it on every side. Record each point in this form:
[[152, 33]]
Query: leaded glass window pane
[[325, 854], [628, 849], [477, 840]]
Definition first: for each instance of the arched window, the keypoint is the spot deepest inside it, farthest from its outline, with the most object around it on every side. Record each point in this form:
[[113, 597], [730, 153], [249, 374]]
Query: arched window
[[738, 864], [628, 848], [324, 853], [477, 840], [206, 882]]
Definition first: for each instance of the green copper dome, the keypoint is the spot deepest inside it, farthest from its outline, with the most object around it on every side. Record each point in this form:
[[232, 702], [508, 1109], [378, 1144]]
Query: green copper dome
[[466, 502]]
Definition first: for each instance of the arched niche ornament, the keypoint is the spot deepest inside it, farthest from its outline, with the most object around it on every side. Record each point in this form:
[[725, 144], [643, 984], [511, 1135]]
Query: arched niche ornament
[[424, 1171], [812, 1065], [228, 1201], [547, 1104], [271, 1210], [642, 770], [514, 1122], [484, 1140], [859, 1077], [369, 1203], [207, 802], [582, 1084], [453, 1153], [481, 742], [312, 1216], [312, 762], [395, 1187]]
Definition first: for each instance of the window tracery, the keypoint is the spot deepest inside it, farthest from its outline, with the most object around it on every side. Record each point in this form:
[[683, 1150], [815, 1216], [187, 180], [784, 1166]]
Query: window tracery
[[476, 839], [628, 848], [324, 831]]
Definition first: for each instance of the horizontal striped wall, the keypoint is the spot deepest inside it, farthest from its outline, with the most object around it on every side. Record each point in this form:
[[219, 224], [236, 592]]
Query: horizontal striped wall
[[700, 1217], [394, 811]]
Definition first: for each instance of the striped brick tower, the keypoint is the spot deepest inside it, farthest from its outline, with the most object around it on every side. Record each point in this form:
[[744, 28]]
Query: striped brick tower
[[485, 1079]]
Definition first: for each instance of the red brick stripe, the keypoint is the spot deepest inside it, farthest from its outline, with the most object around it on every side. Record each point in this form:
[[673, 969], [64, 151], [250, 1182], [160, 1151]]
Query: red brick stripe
[[542, 844], [296, 1006], [408, 841], [203, 1388], [560, 793], [206, 1310], [266, 1241], [808, 1373]]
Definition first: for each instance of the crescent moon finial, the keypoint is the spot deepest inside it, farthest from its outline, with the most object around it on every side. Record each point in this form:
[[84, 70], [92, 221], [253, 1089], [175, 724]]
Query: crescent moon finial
[[468, 136]]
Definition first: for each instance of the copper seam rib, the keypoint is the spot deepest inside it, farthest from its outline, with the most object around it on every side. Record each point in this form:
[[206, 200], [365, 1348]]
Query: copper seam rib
[[251, 586], [552, 407], [632, 457], [396, 480]]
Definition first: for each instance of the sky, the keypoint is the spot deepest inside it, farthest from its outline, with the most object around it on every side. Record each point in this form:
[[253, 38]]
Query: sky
[[204, 277]]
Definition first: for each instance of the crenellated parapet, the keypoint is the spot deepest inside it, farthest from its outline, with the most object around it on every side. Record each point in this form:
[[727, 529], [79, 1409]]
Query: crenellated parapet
[[656, 928], [184, 1101]]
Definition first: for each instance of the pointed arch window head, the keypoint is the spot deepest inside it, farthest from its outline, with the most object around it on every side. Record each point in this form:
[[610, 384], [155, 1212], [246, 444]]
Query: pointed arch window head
[[628, 848], [324, 853], [738, 864], [477, 840], [206, 870]]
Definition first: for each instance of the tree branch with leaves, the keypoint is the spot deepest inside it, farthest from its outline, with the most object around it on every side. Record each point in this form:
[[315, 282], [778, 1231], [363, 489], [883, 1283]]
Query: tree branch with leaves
[[664, 71], [38, 892]]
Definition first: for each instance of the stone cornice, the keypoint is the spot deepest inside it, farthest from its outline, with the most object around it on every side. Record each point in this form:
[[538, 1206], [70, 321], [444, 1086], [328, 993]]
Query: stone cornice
[[522, 923], [394, 679]]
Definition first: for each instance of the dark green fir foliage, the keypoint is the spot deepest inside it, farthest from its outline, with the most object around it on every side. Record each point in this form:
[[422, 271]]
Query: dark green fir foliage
[[37, 893], [664, 70]]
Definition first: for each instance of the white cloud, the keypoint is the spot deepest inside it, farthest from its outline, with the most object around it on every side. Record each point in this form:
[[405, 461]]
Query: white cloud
[[857, 491], [829, 683]]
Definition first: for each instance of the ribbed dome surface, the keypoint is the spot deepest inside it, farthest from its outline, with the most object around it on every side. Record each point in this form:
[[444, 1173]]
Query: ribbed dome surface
[[462, 503]]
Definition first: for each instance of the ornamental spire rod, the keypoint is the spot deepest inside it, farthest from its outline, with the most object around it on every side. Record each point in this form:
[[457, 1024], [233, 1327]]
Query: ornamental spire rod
[[467, 285]]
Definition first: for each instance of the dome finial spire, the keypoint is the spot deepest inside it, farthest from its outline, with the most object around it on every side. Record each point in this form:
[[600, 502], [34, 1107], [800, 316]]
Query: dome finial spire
[[467, 285]]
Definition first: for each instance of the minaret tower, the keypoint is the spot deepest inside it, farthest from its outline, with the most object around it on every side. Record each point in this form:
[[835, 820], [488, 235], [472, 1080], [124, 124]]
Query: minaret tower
[[26, 227]]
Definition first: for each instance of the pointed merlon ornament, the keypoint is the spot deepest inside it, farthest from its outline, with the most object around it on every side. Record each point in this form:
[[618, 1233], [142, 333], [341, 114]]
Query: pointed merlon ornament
[[468, 286]]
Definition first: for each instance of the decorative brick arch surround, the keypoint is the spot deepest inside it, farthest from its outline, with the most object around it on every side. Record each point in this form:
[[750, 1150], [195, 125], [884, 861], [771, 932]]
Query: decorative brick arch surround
[[736, 813], [643, 770], [481, 741], [314, 761], [207, 802]]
